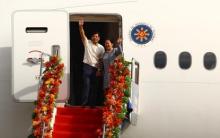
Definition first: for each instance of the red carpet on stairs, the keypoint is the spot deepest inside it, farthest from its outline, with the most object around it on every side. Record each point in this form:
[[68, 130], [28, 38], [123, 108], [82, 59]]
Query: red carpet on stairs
[[77, 122]]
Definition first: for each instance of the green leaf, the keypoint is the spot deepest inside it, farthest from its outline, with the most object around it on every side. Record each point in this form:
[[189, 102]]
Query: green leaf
[[56, 96], [125, 99], [35, 102], [31, 136], [34, 115], [116, 132], [59, 59], [124, 110], [127, 93], [128, 79], [121, 115], [127, 63]]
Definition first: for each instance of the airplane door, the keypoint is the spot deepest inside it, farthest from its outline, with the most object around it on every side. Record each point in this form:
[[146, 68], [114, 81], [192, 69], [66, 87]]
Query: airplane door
[[135, 67], [38, 31]]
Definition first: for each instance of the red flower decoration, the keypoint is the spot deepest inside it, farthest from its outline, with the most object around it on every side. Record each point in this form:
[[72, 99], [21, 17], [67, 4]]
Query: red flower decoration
[[47, 94], [114, 105]]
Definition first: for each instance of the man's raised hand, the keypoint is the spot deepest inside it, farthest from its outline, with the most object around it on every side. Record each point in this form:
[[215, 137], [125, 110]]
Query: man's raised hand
[[81, 22]]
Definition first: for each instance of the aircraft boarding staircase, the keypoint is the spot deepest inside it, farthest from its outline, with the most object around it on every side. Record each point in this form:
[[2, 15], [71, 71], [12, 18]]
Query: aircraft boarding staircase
[[77, 122], [87, 122]]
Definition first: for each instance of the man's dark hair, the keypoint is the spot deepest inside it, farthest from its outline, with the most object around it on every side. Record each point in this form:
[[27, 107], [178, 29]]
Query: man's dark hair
[[95, 33]]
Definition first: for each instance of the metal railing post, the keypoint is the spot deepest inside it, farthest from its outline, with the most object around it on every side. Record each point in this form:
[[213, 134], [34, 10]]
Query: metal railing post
[[103, 131]]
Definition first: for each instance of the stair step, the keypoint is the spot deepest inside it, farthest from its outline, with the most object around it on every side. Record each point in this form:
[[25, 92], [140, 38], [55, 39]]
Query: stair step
[[69, 119], [77, 127], [77, 122], [79, 111], [61, 134]]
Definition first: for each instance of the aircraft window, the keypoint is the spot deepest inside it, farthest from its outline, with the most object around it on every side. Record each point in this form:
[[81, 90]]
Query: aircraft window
[[160, 59], [209, 61], [185, 60]]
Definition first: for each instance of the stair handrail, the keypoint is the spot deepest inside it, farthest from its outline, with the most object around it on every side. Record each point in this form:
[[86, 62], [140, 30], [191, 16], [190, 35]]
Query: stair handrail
[[133, 116], [103, 131], [40, 81], [117, 96], [55, 53]]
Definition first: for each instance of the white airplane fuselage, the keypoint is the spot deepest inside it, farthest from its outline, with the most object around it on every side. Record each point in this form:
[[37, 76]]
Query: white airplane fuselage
[[173, 102]]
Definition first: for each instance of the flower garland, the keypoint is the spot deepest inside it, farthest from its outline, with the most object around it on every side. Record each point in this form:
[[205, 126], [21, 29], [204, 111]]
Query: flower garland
[[117, 96], [47, 95]]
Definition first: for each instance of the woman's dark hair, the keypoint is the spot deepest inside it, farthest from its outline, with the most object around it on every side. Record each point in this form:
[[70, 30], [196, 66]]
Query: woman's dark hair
[[109, 40]]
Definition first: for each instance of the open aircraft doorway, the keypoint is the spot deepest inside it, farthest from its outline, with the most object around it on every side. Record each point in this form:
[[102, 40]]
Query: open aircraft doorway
[[109, 26]]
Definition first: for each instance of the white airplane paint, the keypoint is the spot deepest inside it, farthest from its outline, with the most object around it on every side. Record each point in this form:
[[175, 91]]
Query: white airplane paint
[[173, 103]]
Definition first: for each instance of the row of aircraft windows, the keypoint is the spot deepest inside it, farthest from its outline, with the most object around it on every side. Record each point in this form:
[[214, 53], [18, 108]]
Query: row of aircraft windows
[[185, 60]]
